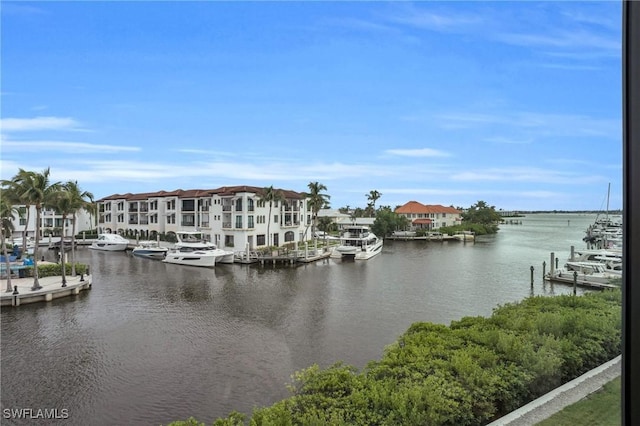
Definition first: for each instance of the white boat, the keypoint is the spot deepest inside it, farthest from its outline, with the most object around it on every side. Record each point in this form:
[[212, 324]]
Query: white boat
[[192, 249], [464, 236], [31, 244], [150, 250], [357, 243], [601, 255], [110, 242], [592, 274]]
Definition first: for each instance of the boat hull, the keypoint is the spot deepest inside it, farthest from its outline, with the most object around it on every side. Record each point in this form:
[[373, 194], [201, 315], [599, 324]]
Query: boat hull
[[357, 253], [149, 253], [203, 259], [109, 247]]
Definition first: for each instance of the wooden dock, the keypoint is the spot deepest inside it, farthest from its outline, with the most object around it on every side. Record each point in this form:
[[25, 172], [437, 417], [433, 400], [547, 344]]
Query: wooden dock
[[422, 238]]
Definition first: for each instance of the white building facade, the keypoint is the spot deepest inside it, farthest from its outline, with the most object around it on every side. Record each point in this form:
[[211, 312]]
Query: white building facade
[[234, 218], [50, 222]]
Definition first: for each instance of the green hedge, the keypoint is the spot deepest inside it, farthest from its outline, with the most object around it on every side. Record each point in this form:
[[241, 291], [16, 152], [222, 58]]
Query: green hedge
[[55, 269], [469, 373]]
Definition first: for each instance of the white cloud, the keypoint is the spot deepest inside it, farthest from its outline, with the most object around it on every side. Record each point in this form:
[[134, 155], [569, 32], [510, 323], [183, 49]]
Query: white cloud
[[420, 152], [38, 123], [526, 174], [62, 146]]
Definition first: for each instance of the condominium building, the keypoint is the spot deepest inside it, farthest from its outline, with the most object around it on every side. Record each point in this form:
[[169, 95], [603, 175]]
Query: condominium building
[[233, 217], [50, 222]]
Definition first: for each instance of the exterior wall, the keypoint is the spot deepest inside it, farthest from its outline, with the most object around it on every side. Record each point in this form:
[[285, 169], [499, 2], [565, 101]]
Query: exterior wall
[[440, 216], [50, 221], [232, 218]]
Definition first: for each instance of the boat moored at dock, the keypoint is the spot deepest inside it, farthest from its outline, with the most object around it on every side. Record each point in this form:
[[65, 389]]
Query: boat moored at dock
[[110, 242], [192, 249], [150, 250], [357, 243]]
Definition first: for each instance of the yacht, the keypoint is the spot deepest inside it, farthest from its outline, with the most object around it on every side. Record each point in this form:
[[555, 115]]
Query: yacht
[[585, 273], [110, 242], [357, 243], [192, 249], [150, 250]]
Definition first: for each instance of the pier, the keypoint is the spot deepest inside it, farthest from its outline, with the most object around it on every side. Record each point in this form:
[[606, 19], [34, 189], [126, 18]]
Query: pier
[[51, 289]]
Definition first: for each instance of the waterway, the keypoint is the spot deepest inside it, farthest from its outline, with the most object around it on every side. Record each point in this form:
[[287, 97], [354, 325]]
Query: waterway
[[154, 342]]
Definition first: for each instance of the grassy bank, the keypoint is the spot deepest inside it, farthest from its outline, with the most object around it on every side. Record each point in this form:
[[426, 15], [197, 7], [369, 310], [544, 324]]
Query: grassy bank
[[600, 408]]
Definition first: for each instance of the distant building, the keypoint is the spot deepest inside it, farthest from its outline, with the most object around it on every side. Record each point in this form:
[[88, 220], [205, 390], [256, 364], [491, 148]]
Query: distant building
[[50, 222], [233, 217], [429, 217], [344, 220]]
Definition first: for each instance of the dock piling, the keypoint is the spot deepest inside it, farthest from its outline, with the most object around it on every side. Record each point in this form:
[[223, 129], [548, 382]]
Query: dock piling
[[531, 275]]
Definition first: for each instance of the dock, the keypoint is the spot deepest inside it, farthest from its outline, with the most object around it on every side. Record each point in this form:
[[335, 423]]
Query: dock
[[581, 280], [51, 289], [421, 238]]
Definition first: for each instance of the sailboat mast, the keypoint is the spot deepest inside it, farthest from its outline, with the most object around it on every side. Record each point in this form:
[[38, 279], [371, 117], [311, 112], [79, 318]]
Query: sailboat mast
[[608, 194]]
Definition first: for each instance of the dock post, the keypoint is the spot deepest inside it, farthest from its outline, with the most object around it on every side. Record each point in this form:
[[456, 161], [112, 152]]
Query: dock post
[[15, 289], [531, 275], [573, 253], [544, 268], [575, 281], [553, 263]]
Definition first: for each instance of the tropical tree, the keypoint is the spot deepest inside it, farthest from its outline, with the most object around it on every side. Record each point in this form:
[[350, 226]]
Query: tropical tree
[[388, 221], [79, 200], [7, 213], [271, 196], [63, 204], [37, 190], [481, 213], [16, 188], [316, 201], [373, 196]]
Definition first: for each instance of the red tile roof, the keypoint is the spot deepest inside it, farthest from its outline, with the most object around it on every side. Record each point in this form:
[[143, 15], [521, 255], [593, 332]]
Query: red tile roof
[[413, 207], [199, 193]]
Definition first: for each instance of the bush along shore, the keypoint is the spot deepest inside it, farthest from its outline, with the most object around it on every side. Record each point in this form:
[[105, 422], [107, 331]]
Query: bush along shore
[[469, 373]]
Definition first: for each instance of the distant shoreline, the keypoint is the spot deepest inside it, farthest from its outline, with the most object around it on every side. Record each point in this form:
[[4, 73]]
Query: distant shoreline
[[611, 212]]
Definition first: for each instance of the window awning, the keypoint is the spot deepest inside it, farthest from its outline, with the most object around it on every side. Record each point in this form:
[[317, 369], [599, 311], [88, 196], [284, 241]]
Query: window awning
[[421, 221]]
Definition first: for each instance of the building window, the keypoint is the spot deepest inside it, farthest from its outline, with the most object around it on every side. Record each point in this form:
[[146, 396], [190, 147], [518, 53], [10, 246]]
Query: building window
[[250, 222], [260, 240], [238, 222]]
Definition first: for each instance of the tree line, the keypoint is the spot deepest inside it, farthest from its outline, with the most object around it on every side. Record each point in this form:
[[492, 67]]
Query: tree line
[[35, 189]]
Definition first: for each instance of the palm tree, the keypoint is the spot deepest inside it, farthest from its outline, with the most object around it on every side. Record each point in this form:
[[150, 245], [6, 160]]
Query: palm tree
[[270, 195], [7, 212], [63, 204], [37, 191], [317, 201], [16, 188], [373, 196], [80, 200]]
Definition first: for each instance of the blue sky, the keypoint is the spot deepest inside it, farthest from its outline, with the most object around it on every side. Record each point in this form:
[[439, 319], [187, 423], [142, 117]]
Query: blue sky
[[514, 103]]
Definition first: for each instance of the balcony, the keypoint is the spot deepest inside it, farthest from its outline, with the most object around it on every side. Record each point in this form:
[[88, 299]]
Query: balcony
[[226, 225], [226, 208], [290, 225]]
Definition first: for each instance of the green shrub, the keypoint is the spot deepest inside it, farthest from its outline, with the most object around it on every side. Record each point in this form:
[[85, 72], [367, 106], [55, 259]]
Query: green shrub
[[469, 373], [55, 269]]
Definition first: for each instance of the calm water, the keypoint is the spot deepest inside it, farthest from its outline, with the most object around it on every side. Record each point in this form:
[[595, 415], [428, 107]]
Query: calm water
[[152, 342]]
